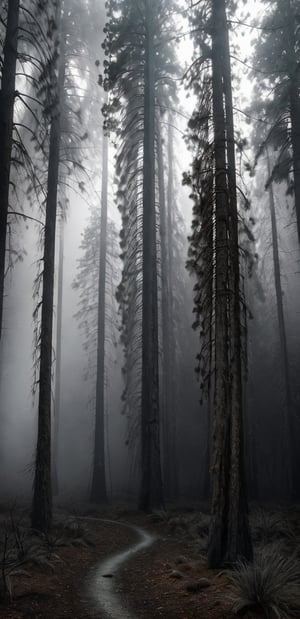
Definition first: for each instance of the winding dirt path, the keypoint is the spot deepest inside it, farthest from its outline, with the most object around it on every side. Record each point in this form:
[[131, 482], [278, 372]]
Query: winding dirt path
[[102, 588]]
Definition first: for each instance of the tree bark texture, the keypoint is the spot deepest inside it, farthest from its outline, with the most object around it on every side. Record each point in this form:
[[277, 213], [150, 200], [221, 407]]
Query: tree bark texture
[[229, 537], [7, 99], [151, 481], [98, 489]]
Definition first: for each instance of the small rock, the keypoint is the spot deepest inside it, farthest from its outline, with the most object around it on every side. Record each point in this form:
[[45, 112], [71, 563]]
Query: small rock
[[180, 559], [176, 574], [204, 582], [194, 587]]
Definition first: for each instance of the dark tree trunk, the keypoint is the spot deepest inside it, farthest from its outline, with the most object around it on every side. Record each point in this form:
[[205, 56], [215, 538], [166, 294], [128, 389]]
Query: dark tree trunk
[[170, 240], [151, 482], [7, 99], [42, 499], [287, 441], [41, 515], [57, 395], [168, 401], [229, 537], [205, 489], [98, 489], [239, 540]]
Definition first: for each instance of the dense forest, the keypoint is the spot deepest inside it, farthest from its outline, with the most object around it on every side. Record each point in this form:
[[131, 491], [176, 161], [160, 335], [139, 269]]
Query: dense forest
[[149, 277]]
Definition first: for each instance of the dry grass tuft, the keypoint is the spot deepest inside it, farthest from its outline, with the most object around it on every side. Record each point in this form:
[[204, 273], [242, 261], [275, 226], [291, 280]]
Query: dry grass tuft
[[270, 584]]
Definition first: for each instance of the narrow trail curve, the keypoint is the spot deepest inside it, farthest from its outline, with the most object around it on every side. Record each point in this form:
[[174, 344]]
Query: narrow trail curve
[[102, 586]]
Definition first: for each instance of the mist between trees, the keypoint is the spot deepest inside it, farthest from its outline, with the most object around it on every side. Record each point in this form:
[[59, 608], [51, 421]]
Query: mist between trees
[[149, 256]]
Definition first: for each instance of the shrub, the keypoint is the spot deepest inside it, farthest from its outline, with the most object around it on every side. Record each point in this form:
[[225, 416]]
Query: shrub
[[269, 526], [270, 584]]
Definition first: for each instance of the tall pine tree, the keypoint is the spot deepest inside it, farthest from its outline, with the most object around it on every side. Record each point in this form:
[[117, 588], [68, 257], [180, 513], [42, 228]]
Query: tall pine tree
[[136, 43], [215, 259]]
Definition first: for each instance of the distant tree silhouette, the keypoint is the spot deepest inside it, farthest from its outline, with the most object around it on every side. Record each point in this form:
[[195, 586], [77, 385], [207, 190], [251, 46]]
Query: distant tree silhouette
[[277, 75], [133, 34]]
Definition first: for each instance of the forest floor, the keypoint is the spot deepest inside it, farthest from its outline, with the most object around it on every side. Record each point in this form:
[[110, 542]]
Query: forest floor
[[48, 578]]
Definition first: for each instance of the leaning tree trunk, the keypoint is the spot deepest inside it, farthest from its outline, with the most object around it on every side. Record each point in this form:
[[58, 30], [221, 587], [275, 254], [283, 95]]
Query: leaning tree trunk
[[229, 537], [98, 489], [7, 99], [41, 515], [287, 436], [168, 400], [151, 482]]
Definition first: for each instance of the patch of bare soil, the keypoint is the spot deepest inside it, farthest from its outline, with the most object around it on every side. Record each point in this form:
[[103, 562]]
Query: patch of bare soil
[[54, 584], [166, 582], [170, 580]]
